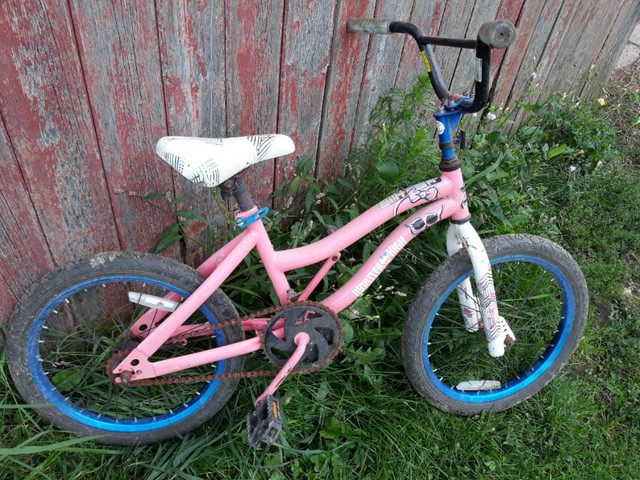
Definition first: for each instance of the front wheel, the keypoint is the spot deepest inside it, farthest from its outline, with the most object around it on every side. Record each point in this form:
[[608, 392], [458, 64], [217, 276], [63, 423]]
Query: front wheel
[[541, 293], [70, 327]]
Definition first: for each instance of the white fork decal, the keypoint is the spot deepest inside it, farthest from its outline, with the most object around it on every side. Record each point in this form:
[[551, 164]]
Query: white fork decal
[[497, 330]]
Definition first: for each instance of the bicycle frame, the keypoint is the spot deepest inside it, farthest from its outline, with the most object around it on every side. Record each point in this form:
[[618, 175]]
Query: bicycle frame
[[445, 198]]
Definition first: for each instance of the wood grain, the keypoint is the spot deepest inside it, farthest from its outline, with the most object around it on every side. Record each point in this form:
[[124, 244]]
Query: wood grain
[[464, 75], [348, 55], [455, 18], [519, 60], [303, 74], [47, 119], [427, 14], [620, 30], [544, 68], [253, 51], [119, 51], [24, 253], [192, 44], [381, 66]]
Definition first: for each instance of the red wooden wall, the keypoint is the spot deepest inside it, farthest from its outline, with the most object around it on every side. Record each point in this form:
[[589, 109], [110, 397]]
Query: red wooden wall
[[87, 87]]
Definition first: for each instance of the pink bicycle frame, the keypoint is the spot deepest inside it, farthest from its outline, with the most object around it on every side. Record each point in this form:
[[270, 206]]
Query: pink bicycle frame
[[445, 197]]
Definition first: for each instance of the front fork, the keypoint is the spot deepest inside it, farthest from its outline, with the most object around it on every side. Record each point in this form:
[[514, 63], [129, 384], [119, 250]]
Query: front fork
[[482, 311]]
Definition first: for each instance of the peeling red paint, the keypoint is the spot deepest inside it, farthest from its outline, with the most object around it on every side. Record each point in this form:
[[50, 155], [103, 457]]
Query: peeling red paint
[[253, 62], [126, 94], [434, 25], [562, 62], [51, 135], [510, 10], [173, 90], [349, 52]]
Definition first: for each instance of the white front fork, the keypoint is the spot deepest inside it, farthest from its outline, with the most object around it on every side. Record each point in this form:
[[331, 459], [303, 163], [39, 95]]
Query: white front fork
[[496, 329]]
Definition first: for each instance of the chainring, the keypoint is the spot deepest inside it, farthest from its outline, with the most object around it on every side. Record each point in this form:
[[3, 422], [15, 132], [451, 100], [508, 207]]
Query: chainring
[[322, 326], [323, 355]]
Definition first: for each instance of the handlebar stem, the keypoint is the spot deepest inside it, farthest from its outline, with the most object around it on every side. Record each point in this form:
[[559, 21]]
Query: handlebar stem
[[448, 120]]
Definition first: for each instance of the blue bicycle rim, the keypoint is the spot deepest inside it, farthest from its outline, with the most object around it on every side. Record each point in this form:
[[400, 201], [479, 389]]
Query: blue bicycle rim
[[538, 368], [91, 419]]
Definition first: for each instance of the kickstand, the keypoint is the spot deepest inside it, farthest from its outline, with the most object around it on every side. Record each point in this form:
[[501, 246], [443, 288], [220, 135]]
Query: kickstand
[[264, 423]]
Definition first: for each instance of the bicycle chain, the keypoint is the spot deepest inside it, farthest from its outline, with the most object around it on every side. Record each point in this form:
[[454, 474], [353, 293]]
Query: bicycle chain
[[210, 330]]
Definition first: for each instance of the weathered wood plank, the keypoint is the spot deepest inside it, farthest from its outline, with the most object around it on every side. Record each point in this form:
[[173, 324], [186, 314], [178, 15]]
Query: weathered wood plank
[[553, 70], [46, 113], [518, 64], [427, 14], [191, 39], [381, 66], [464, 75], [545, 71], [192, 43], [303, 74], [510, 10], [119, 49], [594, 23], [24, 254], [556, 39], [253, 48], [455, 18], [627, 17], [348, 55]]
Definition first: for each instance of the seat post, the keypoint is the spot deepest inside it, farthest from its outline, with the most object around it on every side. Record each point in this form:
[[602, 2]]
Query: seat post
[[235, 187]]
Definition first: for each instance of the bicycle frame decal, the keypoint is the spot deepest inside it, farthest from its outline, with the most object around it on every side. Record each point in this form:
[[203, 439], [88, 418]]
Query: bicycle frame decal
[[383, 260], [421, 224], [495, 327], [464, 203], [427, 191], [488, 302]]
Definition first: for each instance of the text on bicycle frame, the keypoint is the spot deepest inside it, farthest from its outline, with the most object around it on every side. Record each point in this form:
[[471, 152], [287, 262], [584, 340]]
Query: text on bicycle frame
[[383, 260]]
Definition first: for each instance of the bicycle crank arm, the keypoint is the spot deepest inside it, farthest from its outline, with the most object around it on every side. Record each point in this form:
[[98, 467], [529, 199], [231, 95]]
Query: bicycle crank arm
[[302, 339]]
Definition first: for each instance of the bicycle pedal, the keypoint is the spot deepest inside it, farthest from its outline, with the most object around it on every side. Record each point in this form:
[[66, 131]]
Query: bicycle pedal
[[264, 423]]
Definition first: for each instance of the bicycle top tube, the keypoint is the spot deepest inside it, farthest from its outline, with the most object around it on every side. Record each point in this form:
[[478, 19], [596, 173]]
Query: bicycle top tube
[[440, 198], [496, 34]]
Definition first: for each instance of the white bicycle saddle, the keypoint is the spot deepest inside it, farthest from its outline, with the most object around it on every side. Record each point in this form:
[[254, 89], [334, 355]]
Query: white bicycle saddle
[[211, 161]]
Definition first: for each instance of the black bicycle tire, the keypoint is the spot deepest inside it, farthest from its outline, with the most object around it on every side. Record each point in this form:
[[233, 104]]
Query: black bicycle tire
[[431, 295], [103, 265]]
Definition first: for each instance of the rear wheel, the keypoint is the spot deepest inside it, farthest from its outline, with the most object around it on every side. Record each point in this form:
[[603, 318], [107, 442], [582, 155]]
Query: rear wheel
[[541, 293], [65, 331]]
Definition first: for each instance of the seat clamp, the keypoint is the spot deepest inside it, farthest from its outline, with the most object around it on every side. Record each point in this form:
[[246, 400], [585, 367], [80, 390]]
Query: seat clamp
[[242, 222]]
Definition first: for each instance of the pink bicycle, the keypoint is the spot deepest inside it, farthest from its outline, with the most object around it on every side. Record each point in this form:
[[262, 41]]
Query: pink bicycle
[[137, 348]]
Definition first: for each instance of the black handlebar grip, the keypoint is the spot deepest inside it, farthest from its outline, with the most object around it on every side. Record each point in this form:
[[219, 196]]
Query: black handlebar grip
[[368, 25], [498, 34]]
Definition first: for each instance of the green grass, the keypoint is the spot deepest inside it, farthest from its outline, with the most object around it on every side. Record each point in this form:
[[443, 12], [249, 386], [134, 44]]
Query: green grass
[[558, 175]]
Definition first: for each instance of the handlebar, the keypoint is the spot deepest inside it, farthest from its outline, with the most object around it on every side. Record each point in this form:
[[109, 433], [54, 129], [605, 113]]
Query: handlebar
[[496, 34]]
